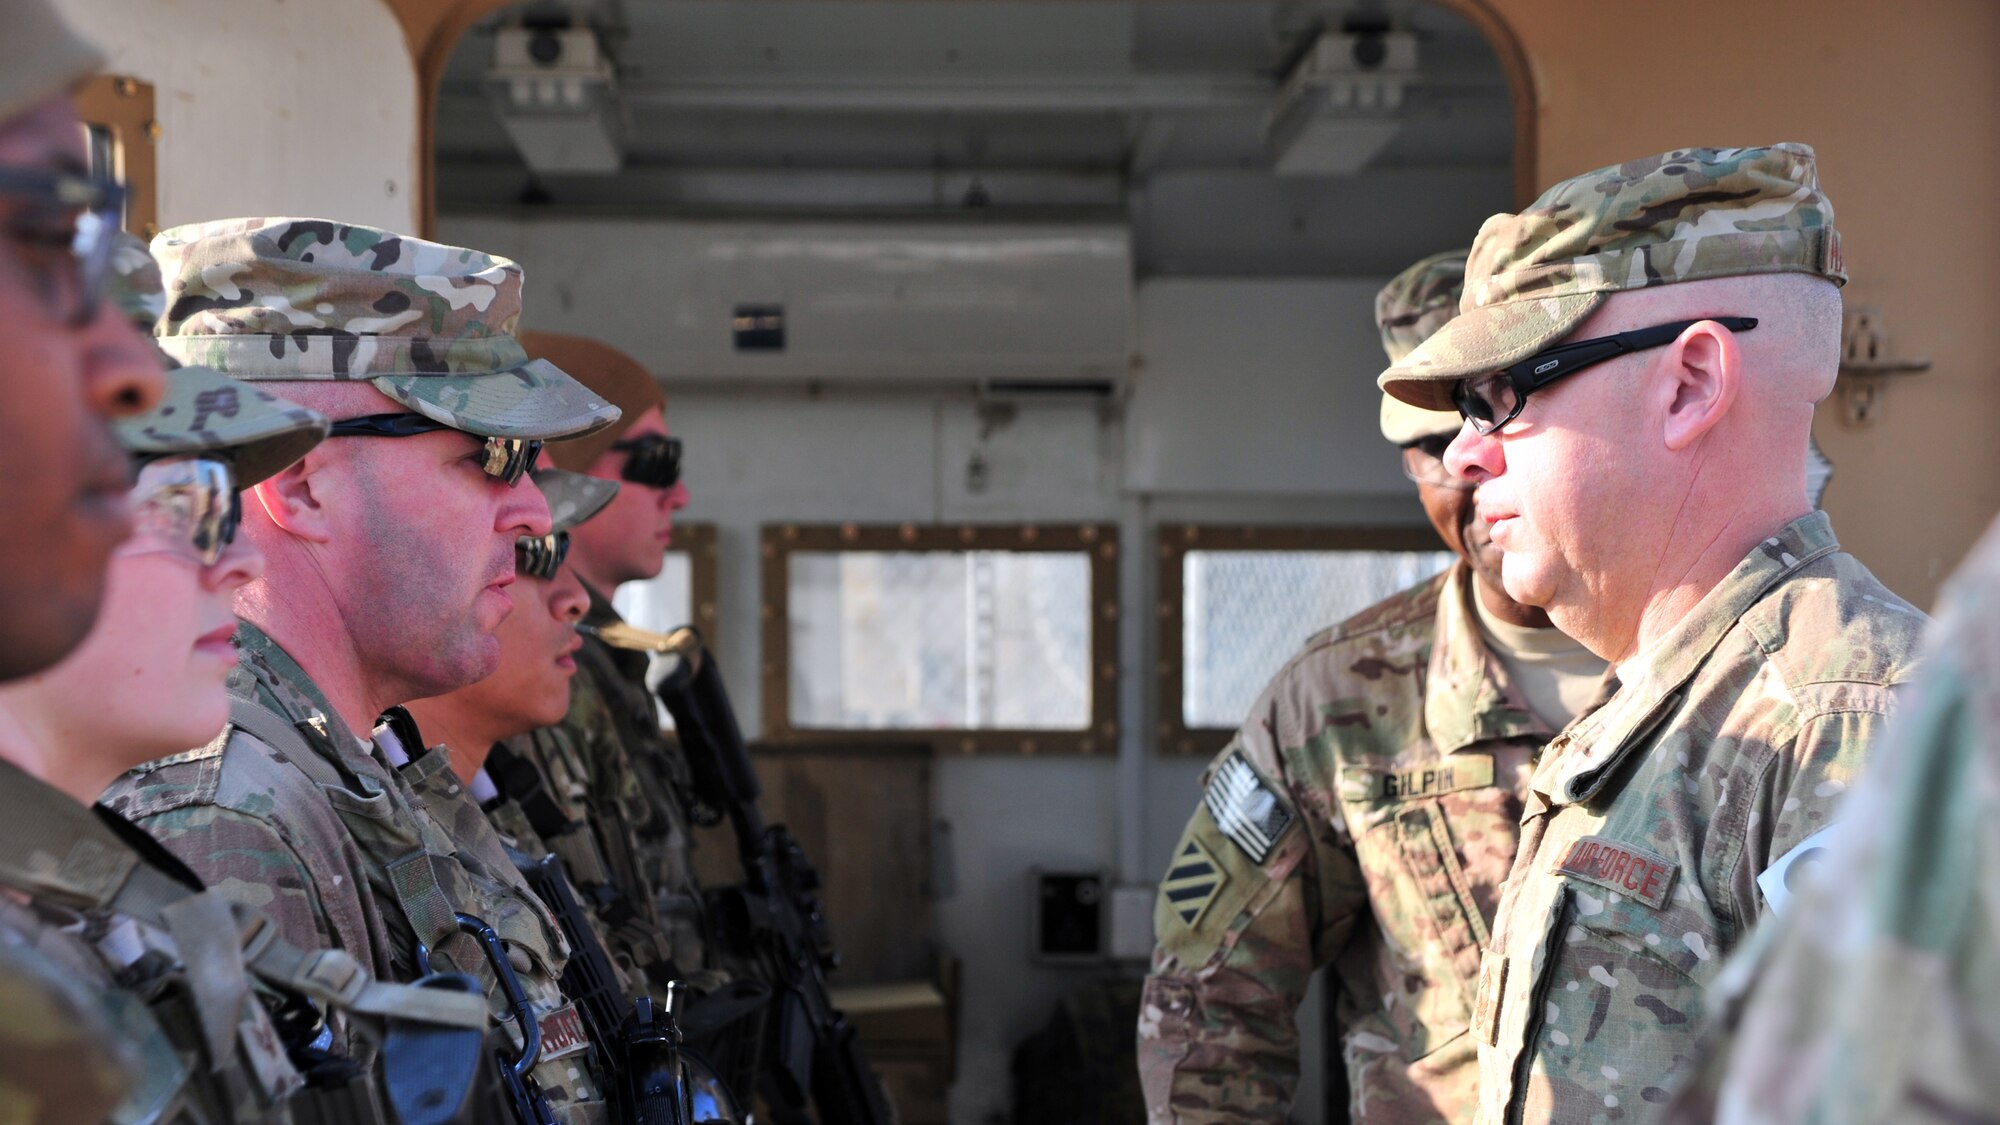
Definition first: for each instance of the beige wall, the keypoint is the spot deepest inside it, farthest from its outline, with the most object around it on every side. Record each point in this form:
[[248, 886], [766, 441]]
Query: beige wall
[[1901, 101], [271, 107]]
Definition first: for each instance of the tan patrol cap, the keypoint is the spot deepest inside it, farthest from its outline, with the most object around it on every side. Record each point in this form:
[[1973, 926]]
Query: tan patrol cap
[[1686, 215], [41, 56], [1407, 311]]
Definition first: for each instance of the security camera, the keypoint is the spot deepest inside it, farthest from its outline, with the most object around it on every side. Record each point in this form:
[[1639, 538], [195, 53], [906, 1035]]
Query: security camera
[[1369, 50], [545, 46], [1368, 40]]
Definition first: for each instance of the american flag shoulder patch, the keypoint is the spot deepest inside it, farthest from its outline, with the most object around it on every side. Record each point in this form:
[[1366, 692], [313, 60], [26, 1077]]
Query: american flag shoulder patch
[[1245, 808], [1192, 882]]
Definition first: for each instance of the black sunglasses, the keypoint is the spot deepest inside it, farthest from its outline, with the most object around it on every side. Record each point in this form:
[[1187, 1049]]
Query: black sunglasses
[[74, 282], [1493, 400], [653, 460], [540, 556], [509, 459]]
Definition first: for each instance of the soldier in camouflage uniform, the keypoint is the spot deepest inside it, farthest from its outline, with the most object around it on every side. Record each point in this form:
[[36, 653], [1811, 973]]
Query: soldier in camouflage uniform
[[1874, 998], [607, 763], [389, 558], [53, 1037], [1657, 509], [71, 365], [538, 644], [183, 988], [1363, 817]]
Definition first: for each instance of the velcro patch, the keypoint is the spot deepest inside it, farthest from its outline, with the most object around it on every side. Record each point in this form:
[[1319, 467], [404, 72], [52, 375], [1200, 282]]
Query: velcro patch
[[562, 1033], [1486, 1002], [1191, 882], [1245, 809], [1620, 868], [1448, 775]]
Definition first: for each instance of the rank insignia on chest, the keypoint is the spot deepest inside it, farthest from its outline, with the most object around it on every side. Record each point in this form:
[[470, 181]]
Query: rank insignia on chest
[[1446, 775], [1619, 867], [1191, 883], [1245, 808]]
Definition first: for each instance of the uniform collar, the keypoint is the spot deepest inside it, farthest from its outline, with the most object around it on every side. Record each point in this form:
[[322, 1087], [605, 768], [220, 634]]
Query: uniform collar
[[1595, 744], [1469, 698], [264, 664]]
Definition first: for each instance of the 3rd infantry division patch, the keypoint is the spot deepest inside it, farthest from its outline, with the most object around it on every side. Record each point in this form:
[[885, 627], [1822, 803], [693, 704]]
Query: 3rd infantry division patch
[[1192, 882]]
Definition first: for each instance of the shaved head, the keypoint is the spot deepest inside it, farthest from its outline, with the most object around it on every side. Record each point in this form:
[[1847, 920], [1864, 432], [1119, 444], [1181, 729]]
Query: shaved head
[[1795, 349], [1624, 492], [389, 558]]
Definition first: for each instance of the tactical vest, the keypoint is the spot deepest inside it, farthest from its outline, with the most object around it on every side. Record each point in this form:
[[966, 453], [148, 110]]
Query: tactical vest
[[545, 799], [665, 827], [416, 865], [191, 980]]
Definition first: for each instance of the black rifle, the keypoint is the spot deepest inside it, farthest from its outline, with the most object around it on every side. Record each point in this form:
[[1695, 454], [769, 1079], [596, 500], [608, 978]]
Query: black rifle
[[639, 1048], [521, 780], [816, 1054]]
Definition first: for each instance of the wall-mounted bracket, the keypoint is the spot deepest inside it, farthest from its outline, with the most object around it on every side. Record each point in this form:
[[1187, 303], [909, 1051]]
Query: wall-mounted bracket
[[1866, 366]]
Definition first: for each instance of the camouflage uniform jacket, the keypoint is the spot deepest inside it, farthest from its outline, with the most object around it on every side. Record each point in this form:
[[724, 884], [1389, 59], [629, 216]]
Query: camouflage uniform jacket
[[544, 808], [535, 944], [264, 832], [1650, 819], [1902, 917], [339, 852], [1369, 808], [137, 1003], [633, 786], [517, 832]]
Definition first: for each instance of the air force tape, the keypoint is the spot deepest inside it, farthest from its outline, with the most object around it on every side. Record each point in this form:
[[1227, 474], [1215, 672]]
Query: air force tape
[[1245, 809]]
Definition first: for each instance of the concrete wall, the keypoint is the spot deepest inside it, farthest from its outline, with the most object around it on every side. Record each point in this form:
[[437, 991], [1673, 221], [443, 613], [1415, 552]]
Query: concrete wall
[[1899, 100], [271, 107]]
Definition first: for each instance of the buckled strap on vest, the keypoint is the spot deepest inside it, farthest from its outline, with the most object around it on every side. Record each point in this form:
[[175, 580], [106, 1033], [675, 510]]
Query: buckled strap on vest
[[333, 977], [206, 936], [63, 853]]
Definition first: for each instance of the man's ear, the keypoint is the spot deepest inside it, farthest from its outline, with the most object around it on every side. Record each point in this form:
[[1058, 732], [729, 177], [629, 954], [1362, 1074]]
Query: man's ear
[[1704, 370], [295, 498]]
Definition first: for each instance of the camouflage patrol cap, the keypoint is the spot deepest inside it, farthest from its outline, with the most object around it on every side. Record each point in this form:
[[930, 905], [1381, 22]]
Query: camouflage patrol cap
[[204, 411], [1686, 215], [40, 57], [622, 380], [429, 325], [1415, 304], [573, 497]]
